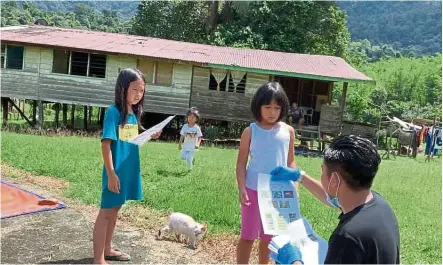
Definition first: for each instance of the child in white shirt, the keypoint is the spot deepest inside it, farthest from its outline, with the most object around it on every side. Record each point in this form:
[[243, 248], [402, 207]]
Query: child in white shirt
[[191, 136]]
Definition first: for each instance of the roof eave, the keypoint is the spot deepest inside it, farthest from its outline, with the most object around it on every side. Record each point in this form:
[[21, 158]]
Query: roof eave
[[291, 74]]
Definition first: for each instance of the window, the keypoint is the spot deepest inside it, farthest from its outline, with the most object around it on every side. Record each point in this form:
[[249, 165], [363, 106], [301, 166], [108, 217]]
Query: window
[[241, 86], [223, 84], [218, 79], [79, 63], [232, 81], [60, 62], [231, 85], [14, 57], [163, 73], [97, 65], [147, 68], [212, 82], [3, 55]]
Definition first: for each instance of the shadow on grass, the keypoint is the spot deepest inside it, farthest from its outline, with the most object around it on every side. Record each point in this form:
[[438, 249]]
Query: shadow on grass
[[167, 173]]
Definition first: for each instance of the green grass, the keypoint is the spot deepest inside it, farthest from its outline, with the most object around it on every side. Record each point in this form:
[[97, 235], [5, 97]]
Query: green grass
[[208, 193]]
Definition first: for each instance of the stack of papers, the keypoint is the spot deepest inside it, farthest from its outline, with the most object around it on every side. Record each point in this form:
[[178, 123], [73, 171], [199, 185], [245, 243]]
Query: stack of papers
[[300, 234]]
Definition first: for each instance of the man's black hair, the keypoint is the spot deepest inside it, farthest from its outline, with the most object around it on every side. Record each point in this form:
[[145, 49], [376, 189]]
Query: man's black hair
[[356, 159], [265, 94]]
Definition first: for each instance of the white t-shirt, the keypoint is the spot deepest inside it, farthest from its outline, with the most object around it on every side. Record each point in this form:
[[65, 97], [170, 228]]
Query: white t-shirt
[[191, 135]]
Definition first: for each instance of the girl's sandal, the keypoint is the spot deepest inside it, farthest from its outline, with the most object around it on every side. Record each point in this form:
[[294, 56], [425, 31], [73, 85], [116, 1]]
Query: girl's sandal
[[119, 257]]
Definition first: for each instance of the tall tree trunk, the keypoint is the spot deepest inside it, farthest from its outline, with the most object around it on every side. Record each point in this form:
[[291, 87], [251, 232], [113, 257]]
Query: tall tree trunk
[[211, 22], [226, 13]]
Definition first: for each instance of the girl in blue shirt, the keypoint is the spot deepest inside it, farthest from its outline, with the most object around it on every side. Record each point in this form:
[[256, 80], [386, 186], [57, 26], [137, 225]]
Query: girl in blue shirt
[[121, 171]]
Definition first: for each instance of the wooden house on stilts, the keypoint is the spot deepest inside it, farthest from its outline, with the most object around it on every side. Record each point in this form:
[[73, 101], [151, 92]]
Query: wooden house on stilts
[[73, 66]]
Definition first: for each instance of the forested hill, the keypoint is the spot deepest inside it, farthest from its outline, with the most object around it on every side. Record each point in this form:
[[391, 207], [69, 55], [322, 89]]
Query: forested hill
[[414, 25], [127, 9]]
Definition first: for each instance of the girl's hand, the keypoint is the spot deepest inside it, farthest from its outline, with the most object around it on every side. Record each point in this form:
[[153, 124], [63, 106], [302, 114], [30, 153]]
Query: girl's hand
[[243, 197], [113, 182], [156, 135]]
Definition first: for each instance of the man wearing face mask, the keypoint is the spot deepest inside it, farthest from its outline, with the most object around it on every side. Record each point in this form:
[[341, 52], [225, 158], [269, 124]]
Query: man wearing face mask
[[367, 232]]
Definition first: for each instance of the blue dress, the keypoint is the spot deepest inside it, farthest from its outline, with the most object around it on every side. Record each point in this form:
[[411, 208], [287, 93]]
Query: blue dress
[[125, 157]]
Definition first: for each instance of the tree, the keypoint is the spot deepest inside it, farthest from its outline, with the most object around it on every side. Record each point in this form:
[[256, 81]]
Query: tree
[[24, 13], [176, 20], [290, 26], [406, 88]]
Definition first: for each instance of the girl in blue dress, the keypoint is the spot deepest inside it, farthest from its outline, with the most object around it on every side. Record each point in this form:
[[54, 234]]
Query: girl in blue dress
[[121, 171]]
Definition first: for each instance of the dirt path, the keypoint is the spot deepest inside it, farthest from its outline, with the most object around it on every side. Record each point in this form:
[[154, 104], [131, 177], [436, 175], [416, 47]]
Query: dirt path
[[65, 236]]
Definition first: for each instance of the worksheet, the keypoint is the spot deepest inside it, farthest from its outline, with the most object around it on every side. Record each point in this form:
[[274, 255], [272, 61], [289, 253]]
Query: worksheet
[[278, 203], [145, 136]]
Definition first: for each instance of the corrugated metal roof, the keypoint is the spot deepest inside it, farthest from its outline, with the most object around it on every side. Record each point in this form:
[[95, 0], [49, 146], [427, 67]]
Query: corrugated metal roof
[[303, 65]]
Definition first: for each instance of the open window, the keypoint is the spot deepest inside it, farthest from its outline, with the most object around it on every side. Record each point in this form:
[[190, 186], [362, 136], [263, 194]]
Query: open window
[[97, 65], [14, 57], [60, 62], [79, 63], [230, 81], [3, 55], [241, 86], [218, 79], [238, 81], [163, 73]]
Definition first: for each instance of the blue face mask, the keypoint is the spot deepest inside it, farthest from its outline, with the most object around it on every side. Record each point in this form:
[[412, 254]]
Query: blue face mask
[[333, 201]]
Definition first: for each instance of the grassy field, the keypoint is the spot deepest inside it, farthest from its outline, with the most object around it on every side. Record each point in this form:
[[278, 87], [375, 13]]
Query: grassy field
[[209, 194]]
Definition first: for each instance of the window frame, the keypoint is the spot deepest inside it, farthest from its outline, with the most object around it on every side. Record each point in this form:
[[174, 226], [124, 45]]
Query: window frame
[[3, 54], [88, 65], [155, 79], [5, 64]]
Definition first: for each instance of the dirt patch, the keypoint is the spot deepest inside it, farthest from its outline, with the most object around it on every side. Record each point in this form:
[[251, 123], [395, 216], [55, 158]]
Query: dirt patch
[[41, 181], [72, 227]]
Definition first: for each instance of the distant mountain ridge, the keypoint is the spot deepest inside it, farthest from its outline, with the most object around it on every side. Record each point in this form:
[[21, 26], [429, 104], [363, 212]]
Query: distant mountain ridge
[[417, 24]]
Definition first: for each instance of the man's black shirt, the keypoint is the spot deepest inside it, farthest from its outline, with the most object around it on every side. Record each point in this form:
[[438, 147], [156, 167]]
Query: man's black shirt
[[366, 235]]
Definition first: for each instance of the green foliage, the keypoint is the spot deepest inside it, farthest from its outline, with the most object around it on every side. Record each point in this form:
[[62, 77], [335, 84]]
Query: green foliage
[[362, 51], [405, 87], [414, 27], [313, 27], [82, 16], [176, 20], [126, 9]]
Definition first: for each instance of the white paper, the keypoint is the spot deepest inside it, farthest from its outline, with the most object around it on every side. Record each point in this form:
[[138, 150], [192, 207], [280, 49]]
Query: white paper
[[278, 203], [147, 135], [300, 234]]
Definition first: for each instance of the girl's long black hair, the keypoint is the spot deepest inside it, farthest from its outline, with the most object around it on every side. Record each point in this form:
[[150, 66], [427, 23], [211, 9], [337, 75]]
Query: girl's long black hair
[[124, 79]]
